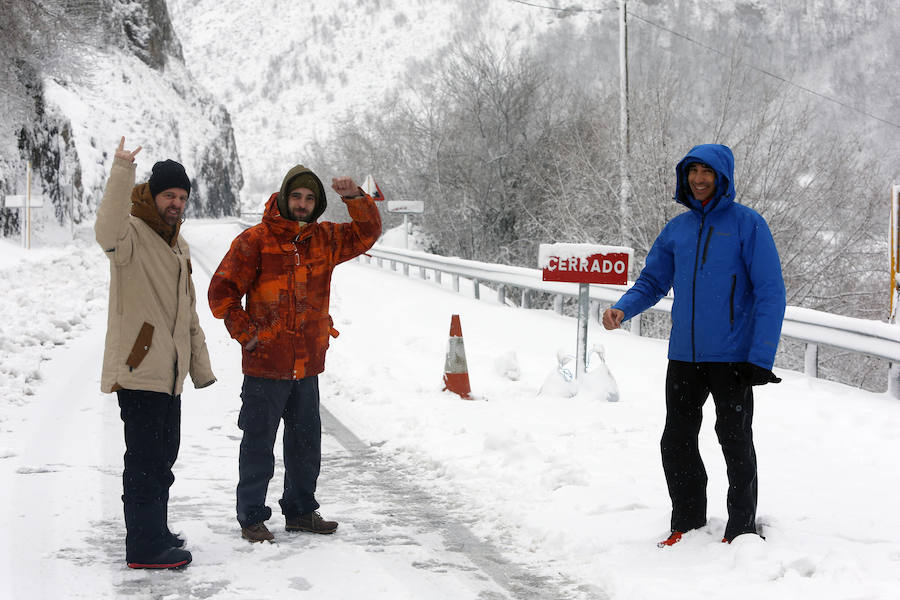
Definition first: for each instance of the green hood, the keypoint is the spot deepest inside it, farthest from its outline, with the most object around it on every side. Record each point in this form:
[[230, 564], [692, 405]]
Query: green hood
[[321, 202]]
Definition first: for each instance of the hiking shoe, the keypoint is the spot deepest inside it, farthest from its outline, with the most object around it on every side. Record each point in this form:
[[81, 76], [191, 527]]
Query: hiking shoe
[[174, 540], [171, 558], [258, 532], [312, 522], [673, 539]]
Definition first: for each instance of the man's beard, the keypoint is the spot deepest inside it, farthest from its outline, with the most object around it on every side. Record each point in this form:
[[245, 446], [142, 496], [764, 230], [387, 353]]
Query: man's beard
[[170, 220], [301, 217]]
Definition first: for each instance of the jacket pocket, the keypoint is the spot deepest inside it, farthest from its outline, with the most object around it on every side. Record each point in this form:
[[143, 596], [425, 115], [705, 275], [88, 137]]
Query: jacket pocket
[[141, 346]]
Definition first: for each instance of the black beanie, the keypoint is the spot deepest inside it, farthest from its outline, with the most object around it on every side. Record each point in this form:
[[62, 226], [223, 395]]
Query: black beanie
[[168, 174]]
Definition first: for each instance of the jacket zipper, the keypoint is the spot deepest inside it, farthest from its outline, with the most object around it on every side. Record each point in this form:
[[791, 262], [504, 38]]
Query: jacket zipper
[[293, 307], [176, 250], [292, 297], [694, 290], [706, 245]]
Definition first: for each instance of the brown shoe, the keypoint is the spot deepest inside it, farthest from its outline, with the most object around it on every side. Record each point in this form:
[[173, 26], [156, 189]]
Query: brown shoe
[[257, 532], [312, 522]]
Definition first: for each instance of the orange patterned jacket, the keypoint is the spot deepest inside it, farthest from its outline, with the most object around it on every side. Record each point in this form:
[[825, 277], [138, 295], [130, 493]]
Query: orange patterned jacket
[[285, 272]]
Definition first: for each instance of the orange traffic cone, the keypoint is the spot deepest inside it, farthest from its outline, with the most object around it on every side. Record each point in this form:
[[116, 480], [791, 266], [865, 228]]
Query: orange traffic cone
[[456, 371]]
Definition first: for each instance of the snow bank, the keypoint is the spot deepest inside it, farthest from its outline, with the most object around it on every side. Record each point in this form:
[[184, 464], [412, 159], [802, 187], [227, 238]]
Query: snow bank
[[49, 295]]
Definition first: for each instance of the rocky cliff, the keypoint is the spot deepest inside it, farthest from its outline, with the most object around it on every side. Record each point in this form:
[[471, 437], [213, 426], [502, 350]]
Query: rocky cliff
[[118, 72]]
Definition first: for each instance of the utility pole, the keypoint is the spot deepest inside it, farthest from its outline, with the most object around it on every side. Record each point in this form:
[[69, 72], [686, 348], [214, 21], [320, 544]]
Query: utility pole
[[624, 138], [28, 205]]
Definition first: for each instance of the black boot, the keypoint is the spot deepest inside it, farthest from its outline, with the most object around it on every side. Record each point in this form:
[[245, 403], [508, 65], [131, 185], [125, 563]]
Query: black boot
[[171, 558]]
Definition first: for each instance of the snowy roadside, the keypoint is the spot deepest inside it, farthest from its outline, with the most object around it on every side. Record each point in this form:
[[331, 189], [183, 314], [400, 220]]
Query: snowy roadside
[[63, 468], [571, 488], [575, 485], [49, 295]]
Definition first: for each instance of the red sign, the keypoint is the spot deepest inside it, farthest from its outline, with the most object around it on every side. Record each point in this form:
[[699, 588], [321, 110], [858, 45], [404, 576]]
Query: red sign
[[370, 186], [596, 268]]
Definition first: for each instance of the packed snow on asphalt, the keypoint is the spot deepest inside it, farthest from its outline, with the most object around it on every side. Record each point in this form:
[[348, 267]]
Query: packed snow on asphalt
[[513, 494]]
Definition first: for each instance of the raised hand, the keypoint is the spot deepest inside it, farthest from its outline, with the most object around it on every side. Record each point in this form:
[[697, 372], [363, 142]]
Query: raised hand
[[124, 154], [345, 187]]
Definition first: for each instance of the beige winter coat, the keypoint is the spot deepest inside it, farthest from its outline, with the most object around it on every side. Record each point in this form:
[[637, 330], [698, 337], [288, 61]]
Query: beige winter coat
[[153, 336]]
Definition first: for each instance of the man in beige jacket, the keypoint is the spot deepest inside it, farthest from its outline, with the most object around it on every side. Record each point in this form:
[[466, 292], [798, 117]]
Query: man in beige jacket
[[153, 340]]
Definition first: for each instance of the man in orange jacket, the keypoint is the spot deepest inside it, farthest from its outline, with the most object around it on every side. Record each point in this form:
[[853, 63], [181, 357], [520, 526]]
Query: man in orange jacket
[[283, 266]]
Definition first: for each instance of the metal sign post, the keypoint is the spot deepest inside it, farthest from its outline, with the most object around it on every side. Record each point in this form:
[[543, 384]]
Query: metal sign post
[[406, 208], [584, 309], [584, 264], [28, 204]]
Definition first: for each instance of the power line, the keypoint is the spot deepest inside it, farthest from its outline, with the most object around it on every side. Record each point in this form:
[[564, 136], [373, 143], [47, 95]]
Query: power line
[[719, 52], [770, 73], [572, 9]]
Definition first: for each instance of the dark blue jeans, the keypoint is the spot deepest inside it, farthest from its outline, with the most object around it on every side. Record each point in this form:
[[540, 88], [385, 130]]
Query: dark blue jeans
[[264, 403], [152, 436], [688, 385]]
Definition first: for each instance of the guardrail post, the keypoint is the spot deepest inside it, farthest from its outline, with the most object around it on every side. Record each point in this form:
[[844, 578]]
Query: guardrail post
[[422, 273], [894, 380], [635, 324], [811, 360], [526, 298], [380, 262], [406, 269], [501, 294], [477, 291], [456, 283], [558, 303], [437, 276]]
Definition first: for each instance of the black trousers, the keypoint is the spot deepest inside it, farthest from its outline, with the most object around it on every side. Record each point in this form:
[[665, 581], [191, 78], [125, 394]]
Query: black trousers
[[687, 387], [152, 436], [264, 403]]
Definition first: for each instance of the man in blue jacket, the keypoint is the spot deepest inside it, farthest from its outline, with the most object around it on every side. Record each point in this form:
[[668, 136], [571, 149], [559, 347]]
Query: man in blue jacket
[[721, 261]]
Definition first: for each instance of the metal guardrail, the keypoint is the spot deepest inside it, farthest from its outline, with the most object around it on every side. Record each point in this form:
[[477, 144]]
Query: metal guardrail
[[249, 219], [814, 328]]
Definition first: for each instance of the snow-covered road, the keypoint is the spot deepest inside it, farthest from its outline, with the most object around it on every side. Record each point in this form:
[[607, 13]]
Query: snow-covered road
[[513, 495], [65, 531]]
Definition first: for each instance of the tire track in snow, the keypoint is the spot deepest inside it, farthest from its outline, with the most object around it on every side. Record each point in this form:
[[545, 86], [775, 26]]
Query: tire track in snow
[[387, 509], [426, 512]]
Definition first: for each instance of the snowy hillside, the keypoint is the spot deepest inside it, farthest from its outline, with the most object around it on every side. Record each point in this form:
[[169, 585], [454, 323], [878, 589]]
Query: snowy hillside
[[115, 69], [288, 72], [165, 113]]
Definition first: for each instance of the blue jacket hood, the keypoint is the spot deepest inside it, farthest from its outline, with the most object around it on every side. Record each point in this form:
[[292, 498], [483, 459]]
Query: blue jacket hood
[[721, 160]]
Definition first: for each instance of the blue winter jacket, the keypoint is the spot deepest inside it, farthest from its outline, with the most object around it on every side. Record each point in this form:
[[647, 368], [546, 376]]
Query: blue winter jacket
[[722, 262]]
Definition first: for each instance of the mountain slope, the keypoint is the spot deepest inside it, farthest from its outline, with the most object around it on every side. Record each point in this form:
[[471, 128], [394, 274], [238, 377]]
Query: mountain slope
[[120, 74], [287, 72]]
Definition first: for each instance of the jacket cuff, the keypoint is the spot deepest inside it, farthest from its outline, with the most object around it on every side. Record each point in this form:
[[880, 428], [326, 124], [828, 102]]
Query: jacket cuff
[[203, 385], [243, 337], [125, 164]]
